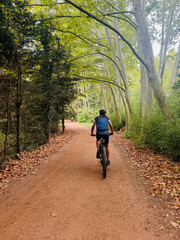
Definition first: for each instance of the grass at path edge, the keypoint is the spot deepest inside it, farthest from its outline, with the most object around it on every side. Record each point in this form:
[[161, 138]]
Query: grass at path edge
[[84, 124]]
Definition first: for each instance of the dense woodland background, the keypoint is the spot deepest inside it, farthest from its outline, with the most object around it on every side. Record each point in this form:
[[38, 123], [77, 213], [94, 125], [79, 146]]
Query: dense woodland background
[[70, 58]]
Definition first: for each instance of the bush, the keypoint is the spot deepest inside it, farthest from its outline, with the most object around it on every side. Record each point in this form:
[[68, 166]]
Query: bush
[[115, 122], [134, 130], [87, 116], [162, 136]]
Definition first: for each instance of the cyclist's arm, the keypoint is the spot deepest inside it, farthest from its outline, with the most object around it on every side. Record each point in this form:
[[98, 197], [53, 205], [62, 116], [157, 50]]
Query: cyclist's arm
[[92, 128], [111, 127]]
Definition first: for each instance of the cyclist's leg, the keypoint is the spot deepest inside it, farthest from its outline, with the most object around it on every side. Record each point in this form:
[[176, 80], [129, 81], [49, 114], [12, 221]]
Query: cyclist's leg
[[107, 151], [98, 138], [106, 137], [97, 144]]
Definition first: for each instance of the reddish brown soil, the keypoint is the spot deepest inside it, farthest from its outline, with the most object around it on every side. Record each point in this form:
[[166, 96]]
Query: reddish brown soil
[[67, 198]]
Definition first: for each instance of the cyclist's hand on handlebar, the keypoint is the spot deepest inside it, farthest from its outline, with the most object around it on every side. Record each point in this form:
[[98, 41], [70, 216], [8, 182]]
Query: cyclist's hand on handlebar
[[93, 135], [110, 134]]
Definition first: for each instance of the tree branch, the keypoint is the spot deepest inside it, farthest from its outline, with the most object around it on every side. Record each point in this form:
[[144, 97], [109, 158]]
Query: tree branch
[[78, 36], [130, 22], [112, 6], [61, 16], [37, 5], [118, 68], [121, 12], [98, 80], [42, 5], [110, 27]]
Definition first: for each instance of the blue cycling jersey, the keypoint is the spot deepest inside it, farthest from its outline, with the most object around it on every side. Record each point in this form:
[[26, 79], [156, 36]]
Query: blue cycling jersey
[[102, 123]]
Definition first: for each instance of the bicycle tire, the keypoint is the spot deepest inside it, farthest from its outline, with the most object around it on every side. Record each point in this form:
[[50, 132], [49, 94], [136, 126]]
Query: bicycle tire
[[104, 163]]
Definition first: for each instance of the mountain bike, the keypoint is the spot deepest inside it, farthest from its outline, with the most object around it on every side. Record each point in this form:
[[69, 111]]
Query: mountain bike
[[103, 155]]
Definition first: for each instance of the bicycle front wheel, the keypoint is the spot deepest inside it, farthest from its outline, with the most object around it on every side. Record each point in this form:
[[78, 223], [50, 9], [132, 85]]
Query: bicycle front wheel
[[104, 163]]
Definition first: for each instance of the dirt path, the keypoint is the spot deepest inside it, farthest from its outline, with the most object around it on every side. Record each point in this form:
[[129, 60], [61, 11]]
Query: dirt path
[[67, 198]]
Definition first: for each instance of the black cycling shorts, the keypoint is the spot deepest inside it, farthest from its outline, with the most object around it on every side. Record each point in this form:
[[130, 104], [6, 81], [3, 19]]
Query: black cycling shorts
[[104, 135]]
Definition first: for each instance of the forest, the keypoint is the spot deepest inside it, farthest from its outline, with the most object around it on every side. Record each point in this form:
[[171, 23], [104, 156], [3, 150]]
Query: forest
[[61, 58]]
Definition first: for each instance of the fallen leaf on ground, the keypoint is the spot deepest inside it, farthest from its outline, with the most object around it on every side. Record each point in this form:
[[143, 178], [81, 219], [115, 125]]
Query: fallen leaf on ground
[[53, 214], [176, 225]]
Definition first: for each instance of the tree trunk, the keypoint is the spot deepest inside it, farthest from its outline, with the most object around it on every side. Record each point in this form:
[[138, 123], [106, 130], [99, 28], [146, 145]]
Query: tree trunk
[[162, 42], [147, 49], [118, 51], [115, 105], [103, 98], [121, 95], [77, 103], [7, 123], [63, 125], [145, 90], [176, 67], [164, 53], [145, 41], [119, 73], [47, 110], [112, 91], [18, 107]]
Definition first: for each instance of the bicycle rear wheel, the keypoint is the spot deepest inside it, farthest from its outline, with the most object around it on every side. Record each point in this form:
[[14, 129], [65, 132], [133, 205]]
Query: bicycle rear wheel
[[104, 162]]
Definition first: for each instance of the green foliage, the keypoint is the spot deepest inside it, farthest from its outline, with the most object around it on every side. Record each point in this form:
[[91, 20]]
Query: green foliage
[[47, 49], [87, 116], [115, 122], [85, 124], [134, 131], [35, 79], [158, 134], [162, 136]]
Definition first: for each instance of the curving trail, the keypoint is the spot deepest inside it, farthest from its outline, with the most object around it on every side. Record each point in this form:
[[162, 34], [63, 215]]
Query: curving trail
[[67, 198]]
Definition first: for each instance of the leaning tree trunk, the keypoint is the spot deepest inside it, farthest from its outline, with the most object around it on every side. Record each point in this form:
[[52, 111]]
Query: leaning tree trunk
[[144, 38], [103, 97], [112, 91], [162, 41], [176, 67], [165, 44], [145, 90], [147, 49], [119, 73]]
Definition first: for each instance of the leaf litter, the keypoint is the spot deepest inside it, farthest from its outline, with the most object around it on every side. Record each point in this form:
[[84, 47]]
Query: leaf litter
[[160, 170], [15, 170]]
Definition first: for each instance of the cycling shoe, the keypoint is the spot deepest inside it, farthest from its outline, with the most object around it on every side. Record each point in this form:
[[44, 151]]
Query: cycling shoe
[[107, 163]]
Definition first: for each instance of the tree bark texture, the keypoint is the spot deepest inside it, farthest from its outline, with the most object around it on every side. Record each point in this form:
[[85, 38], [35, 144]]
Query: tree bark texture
[[145, 89], [176, 68], [103, 97], [18, 107], [7, 123], [145, 42], [165, 43], [112, 91], [119, 73]]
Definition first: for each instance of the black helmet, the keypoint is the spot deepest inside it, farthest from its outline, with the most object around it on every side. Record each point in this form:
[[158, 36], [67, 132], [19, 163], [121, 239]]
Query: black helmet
[[102, 112]]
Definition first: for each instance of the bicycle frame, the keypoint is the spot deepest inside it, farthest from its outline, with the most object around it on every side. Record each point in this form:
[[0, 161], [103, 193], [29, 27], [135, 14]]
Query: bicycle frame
[[103, 154]]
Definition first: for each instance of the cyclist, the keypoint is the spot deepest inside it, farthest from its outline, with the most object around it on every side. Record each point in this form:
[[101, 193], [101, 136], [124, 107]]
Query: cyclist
[[102, 122]]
